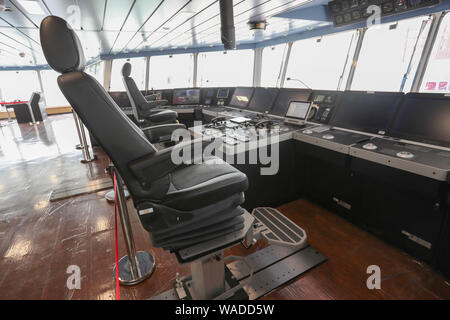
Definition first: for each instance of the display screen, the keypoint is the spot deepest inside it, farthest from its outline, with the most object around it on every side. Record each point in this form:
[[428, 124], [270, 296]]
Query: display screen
[[285, 97], [210, 93], [186, 96], [298, 109], [263, 99], [222, 93], [367, 112], [424, 118], [241, 97]]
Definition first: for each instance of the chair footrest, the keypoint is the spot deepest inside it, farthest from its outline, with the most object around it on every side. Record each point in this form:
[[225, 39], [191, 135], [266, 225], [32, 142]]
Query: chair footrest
[[277, 229]]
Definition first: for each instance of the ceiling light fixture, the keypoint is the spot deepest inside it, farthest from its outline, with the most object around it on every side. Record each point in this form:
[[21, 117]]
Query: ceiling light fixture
[[32, 7], [4, 7]]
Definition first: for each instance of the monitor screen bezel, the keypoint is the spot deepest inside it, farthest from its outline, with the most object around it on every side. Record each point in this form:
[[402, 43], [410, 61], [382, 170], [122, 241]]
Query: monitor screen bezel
[[377, 131], [269, 108], [305, 91], [186, 103], [411, 137], [227, 90], [249, 99]]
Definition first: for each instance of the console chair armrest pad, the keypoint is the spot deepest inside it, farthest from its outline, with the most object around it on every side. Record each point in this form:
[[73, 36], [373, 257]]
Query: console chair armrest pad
[[162, 132], [158, 165], [151, 97], [151, 104]]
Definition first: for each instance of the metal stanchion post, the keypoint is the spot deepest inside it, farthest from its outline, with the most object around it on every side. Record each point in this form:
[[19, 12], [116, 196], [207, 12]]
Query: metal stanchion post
[[135, 267], [77, 125], [33, 119], [110, 195], [84, 144]]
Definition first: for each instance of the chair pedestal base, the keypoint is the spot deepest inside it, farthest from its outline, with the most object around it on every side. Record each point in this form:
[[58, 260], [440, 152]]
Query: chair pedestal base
[[90, 159], [250, 277], [110, 196], [145, 263]]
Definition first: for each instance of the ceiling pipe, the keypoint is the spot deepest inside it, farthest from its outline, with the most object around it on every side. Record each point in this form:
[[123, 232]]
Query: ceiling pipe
[[227, 24]]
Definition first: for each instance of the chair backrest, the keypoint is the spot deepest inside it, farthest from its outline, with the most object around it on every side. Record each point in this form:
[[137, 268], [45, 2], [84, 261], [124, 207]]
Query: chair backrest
[[119, 137], [35, 98], [134, 94]]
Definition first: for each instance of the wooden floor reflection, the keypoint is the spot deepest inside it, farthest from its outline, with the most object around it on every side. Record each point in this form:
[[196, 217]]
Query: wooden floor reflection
[[39, 240]]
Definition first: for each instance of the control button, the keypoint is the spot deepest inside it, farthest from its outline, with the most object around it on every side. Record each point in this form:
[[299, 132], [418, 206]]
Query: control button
[[405, 155], [307, 131], [328, 136], [370, 146]]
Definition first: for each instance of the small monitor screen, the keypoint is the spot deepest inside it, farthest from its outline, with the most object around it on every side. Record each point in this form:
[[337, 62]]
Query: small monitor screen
[[222, 93], [263, 99], [424, 118], [186, 96], [368, 112], [241, 97], [285, 97], [298, 110]]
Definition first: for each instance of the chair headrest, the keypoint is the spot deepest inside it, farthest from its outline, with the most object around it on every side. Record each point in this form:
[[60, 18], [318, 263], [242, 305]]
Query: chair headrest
[[61, 45], [126, 69]]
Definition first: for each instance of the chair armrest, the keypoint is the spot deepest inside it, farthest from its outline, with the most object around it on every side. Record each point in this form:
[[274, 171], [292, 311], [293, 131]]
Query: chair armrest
[[152, 104], [158, 165], [161, 132], [151, 97]]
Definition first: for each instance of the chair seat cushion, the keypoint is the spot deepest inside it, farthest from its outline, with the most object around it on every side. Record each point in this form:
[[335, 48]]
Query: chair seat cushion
[[199, 185]]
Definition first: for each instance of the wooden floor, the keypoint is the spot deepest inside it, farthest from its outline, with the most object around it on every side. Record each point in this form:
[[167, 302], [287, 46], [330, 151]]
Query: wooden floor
[[39, 239]]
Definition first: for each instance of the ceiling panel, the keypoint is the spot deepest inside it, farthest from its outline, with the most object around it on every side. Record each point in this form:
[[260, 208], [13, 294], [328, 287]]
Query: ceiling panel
[[187, 27], [142, 10], [121, 26], [17, 17], [81, 14], [185, 19], [165, 12], [115, 14]]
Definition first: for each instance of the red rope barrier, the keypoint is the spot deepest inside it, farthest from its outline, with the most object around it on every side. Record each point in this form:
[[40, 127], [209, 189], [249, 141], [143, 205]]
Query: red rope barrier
[[116, 240]]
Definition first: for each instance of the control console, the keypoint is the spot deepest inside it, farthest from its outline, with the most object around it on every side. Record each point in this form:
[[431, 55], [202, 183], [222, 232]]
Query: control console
[[422, 160]]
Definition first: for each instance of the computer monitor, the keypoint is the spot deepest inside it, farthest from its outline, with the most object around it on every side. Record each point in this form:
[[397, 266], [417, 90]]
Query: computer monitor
[[186, 96], [210, 93], [223, 93], [285, 97], [263, 99], [208, 96], [370, 112], [423, 117], [298, 110], [241, 97]]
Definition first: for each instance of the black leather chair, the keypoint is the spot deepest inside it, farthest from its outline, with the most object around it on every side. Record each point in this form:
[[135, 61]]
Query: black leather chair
[[145, 110], [22, 111], [179, 205]]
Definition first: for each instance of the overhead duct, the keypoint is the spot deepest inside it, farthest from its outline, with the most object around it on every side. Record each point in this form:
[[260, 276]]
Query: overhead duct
[[227, 27]]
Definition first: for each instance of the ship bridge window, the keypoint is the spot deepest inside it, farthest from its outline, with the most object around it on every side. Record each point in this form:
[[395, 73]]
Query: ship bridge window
[[272, 62], [230, 69], [53, 95], [437, 74], [17, 85], [319, 62], [96, 70], [174, 71], [386, 53]]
